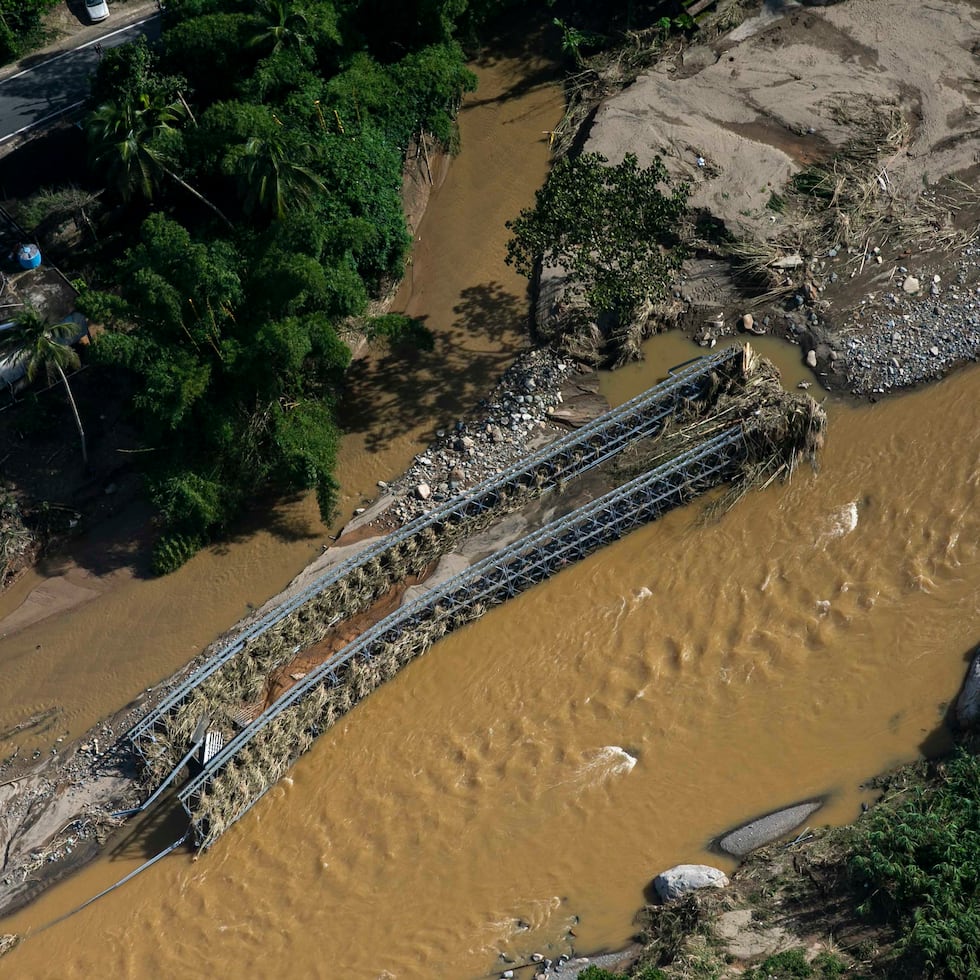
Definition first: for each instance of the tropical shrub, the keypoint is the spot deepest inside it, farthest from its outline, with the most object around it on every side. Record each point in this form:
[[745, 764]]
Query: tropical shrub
[[612, 229], [919, 865], [21, 26]]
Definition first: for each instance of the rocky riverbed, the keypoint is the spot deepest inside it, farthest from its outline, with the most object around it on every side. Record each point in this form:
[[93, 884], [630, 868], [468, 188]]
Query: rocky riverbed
[[922, 321], [540, 396], [909, 320]]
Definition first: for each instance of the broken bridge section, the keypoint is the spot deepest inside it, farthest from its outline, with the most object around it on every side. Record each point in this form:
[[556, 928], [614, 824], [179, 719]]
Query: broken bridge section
[[233, 678], [723, 420], [259, 755]]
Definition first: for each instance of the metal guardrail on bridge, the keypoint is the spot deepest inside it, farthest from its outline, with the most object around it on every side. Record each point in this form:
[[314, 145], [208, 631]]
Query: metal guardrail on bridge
[[563, 459], [495, 579]]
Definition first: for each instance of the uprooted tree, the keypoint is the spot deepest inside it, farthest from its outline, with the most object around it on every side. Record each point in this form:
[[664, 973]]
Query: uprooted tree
[[613, 232]]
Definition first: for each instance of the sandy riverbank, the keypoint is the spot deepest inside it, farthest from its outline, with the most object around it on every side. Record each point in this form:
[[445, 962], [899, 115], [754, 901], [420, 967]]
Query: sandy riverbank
[[875, 269]]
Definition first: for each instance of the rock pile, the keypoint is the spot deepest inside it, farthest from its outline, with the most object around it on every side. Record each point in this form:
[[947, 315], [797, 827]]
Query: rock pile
[[915, 330], [512, 421]]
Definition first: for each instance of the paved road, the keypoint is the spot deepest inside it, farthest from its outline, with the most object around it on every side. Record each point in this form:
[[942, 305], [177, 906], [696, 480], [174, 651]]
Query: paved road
[[54, 87]]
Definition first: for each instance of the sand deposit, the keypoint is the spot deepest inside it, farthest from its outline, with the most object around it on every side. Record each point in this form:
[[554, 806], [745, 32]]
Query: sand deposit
[[878, 104], [756, 110]]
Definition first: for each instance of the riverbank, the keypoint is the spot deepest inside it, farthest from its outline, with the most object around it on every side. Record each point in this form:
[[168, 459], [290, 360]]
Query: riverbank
[[833, 901], [832, 158]]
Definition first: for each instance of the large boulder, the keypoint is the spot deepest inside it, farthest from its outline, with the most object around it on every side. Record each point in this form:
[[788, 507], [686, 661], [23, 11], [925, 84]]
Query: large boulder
[[968, 703], [765, 830], [579, 401], [678, 881]]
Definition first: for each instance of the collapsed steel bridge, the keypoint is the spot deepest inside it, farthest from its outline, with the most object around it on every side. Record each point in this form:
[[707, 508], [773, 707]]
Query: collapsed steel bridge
[[492, 581], [559, 461]]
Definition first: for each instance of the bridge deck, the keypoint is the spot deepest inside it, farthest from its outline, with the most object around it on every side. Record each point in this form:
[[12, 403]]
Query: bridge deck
[[562, 460], [465, 597]]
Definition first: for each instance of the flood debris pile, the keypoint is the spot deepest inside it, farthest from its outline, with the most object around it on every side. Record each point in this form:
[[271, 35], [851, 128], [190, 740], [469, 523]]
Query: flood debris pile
[[267, 756], [744, 430], [855, 203], [850, 197], [17, 543], [780, 429]]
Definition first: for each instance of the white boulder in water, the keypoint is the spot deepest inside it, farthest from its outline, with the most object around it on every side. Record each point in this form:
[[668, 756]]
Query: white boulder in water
[[678, 881]]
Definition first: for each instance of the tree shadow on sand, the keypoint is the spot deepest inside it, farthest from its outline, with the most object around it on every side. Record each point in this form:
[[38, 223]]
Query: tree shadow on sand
[[395, 390]]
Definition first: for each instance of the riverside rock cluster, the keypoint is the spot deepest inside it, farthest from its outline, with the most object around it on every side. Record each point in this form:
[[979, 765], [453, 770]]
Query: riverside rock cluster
[[504, 428], [867, 323], [916, 328]]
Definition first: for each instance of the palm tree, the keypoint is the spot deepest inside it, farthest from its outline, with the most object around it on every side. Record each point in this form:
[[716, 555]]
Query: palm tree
[[282, 27], [271, 175], [38, 344], [130, 142]]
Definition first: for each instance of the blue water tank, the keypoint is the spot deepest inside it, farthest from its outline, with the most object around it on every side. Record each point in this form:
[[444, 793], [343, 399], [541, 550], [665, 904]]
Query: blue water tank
[[29, 256]]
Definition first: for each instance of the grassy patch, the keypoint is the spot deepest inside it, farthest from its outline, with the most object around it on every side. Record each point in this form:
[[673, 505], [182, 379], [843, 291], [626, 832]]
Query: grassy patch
[[792, 964], [597, 973], [776, 203]]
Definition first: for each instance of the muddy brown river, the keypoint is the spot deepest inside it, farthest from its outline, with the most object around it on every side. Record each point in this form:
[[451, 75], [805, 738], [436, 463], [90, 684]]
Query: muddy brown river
[[537, 768]]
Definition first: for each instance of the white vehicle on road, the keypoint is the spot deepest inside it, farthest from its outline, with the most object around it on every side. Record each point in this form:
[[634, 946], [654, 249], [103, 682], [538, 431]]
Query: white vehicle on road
[[97, 10]]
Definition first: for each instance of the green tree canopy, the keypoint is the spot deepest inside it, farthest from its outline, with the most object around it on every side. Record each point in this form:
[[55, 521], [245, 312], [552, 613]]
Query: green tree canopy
[[612, 229], [131, 141], [393, 29], [21, 26], [272, 174], [292, 118], [129, 71], [361, 205], [225, 125], [235, 397], [135, 141], [213, 51]]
